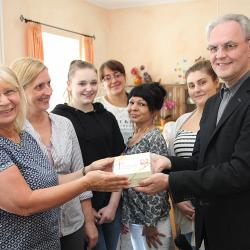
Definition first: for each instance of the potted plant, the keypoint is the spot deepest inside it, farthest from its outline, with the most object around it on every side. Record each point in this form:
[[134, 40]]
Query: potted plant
[[166, 111]]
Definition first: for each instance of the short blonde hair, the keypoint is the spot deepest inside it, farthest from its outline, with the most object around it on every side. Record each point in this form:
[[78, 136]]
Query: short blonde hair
[[27, 69], [7, 75]]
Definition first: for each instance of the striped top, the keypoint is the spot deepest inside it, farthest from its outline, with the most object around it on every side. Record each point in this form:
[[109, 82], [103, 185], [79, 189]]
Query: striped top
[[184, 143]]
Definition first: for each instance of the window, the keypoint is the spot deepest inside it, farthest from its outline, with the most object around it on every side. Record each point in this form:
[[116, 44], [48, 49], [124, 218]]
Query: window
[[59, 51]]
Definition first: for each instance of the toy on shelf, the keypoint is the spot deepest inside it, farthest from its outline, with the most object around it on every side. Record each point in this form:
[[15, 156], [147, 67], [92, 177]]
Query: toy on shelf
[[140, 75], [137, 78], [146, 76]]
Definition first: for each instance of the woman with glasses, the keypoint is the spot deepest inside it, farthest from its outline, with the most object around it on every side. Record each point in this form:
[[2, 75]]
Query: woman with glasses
[[99, 136], [113, 77], [30, 189]]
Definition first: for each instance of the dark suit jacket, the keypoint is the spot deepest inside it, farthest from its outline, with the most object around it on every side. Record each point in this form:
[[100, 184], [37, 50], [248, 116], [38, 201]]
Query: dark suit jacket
[[221, 180]]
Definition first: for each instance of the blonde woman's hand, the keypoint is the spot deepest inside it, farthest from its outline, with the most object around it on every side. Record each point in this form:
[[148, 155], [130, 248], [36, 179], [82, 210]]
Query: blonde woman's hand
[[104, 181], [91, 233], [105, 164]]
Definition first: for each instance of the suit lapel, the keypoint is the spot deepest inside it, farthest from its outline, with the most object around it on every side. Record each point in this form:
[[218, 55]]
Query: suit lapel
[[210, 125], [234, 102], [231, 106]]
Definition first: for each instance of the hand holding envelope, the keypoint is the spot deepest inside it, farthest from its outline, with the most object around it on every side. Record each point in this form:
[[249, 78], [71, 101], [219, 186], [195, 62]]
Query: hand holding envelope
[[155, 183], [159, 163], [136, 167], [143, 171]]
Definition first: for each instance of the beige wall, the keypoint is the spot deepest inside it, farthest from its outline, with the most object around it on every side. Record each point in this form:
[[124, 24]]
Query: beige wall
[[1, 33], [75, 15], [161, 36], [158, 36]]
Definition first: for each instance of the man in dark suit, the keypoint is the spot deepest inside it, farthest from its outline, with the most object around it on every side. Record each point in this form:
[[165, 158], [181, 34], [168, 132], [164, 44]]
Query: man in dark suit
[[218, 173]]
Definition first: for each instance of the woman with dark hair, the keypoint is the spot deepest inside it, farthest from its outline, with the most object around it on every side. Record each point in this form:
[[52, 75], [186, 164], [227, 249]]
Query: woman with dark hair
[[99, 136], [113, 77], [147, 216]]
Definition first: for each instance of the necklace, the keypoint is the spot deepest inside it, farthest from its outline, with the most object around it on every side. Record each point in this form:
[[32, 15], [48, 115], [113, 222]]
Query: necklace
[[138, 135], [15, 137]]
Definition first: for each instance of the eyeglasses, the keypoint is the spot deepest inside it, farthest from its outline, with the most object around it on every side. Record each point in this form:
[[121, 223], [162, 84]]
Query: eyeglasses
[[226, 47], [108, 78], [9, 92]]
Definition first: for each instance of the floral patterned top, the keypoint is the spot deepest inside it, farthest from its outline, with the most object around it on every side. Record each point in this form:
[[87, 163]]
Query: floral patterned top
[[140, 208], [35, 232]]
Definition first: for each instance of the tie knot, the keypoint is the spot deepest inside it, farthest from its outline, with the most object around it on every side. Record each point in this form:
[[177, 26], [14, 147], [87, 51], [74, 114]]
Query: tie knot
[[224, 91]]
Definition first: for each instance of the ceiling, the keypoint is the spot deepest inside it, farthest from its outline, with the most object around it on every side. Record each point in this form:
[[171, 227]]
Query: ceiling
[[117, 4]]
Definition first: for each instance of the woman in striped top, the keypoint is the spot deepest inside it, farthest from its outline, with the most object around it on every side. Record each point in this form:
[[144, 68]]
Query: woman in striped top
[[184, 143], [202, 83]]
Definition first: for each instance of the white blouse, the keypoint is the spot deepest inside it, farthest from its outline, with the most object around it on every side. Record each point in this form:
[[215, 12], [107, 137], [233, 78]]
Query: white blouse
[[67, 158]]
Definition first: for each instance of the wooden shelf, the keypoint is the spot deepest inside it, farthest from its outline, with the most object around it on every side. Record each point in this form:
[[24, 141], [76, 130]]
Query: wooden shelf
[[179, 94]]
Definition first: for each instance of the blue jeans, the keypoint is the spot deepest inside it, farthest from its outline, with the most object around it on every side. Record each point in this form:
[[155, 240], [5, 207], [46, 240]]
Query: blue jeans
[[109, 233]]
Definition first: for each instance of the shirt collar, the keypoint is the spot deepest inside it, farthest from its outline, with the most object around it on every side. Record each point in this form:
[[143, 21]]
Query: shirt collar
[[232, 90]]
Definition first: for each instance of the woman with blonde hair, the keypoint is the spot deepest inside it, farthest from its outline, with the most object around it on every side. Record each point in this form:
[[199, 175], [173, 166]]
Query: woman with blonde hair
[[30, 192], [99, 136]]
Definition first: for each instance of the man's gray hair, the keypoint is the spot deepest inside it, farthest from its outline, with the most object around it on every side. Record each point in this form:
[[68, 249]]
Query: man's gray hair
[[243, 21]]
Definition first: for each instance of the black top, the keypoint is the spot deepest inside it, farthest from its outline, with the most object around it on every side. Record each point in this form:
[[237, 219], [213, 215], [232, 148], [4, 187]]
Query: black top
[[99, 137], [218, 174]]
